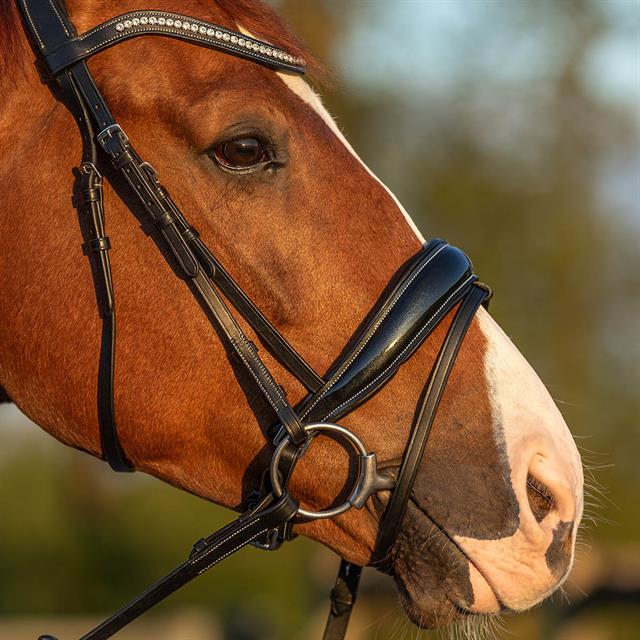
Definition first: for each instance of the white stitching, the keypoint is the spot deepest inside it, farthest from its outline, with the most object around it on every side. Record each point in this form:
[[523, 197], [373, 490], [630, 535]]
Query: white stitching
[[104, 25], [33, 26], [274, 385], [210, 550], [226, 555], [401, 354], [255, 377], [374, 329], [53, 6], [264, 369]]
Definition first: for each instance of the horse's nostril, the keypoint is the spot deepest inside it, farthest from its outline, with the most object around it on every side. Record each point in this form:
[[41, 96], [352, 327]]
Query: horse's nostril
[[541, 499]]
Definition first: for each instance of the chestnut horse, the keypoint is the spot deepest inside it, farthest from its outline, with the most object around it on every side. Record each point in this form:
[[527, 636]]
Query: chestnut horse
[[313, 237]]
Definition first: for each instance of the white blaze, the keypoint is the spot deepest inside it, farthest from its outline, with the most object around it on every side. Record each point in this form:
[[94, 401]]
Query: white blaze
[[310, 97], [538, 442]]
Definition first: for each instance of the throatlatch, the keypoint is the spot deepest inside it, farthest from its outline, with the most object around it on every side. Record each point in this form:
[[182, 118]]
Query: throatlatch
[[437, 279]]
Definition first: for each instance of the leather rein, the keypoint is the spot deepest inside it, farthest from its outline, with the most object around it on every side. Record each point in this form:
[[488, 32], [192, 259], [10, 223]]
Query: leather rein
[[432, 283]]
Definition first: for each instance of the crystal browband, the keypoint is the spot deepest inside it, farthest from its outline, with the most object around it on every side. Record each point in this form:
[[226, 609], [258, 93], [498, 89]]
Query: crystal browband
[[140, 23]]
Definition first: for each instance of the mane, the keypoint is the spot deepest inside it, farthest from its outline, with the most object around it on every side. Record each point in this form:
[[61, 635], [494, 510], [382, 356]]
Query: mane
[[253, 15]]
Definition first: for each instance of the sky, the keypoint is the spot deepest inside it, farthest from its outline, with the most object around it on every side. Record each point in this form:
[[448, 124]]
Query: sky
[[424, 45]]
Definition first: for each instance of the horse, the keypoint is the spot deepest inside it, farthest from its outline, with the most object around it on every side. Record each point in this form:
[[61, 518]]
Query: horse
[[313, 237]]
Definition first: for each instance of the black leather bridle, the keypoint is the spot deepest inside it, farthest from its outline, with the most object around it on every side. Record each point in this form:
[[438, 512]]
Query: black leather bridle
[[428, 286]]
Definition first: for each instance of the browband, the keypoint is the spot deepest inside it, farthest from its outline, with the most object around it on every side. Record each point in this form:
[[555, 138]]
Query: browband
[[75, 48]]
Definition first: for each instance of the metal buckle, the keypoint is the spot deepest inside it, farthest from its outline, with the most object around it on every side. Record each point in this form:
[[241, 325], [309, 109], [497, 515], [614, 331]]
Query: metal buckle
[[270, 541], [150, 170], [113, 139], [88, 168], [110, 131], [367, 482]]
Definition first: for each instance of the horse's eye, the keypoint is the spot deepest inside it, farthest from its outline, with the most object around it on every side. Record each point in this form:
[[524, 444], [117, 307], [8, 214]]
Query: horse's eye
[[242, 153]]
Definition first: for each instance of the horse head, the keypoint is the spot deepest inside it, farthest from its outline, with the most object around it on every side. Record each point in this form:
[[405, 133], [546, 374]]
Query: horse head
[[313, 237]]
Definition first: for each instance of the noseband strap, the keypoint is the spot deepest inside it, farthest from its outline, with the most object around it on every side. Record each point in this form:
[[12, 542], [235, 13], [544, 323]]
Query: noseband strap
[[429, 286], [393, 515]]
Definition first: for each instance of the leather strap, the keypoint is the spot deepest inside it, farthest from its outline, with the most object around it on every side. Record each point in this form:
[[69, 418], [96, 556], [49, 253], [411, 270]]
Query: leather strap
[[90, 204], [343, 597], [393, 516], [432, 283], [48, 24], [172, 25], [206, 553]]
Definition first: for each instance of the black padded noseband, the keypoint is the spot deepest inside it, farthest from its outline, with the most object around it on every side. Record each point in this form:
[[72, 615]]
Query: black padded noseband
[[429, 286], [433, 282]]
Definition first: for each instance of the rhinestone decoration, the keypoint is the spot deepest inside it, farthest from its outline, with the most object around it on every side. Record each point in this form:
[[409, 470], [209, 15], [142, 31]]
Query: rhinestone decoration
[[231, 39]]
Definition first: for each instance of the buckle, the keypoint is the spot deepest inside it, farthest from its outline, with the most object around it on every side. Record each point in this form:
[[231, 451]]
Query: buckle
[[88, 168], [113, 140], [150, 170], [270, 541]]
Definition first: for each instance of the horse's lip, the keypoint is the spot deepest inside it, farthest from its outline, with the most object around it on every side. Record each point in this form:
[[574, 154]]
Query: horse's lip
[[463, 609], [459, 605]]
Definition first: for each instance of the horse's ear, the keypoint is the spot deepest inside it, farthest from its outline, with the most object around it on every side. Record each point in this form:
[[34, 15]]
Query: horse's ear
[[4, 396]]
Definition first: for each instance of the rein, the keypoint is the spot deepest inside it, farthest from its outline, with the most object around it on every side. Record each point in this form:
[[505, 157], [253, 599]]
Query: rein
[[437, 279]]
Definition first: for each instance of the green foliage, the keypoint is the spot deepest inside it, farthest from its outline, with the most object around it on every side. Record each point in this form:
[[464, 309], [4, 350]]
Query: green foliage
[[74, 542]]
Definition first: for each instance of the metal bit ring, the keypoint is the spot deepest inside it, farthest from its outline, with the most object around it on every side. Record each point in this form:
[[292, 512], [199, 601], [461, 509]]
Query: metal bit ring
[[367, 481]]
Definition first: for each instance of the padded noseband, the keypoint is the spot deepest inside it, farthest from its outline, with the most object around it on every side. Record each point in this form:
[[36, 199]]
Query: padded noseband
[[430, 285]]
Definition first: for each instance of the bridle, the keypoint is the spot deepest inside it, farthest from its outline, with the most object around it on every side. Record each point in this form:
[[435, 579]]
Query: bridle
[[434, 281]]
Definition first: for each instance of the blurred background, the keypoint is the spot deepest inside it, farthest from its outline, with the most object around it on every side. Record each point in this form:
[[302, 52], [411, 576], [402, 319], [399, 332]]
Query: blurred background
[[510, 127]]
